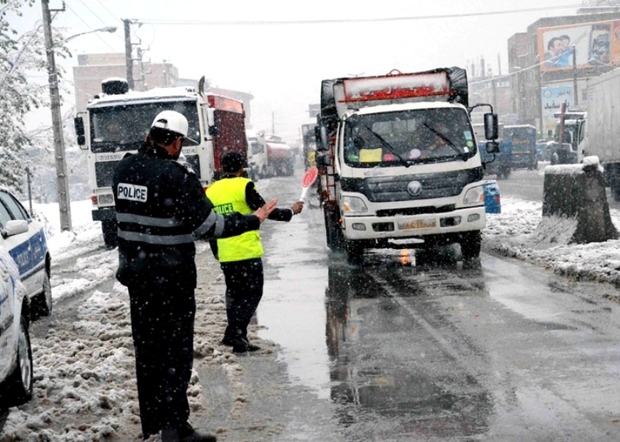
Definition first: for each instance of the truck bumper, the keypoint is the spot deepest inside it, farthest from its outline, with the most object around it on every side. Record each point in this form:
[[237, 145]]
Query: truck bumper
[[104, 214], [414, 226]]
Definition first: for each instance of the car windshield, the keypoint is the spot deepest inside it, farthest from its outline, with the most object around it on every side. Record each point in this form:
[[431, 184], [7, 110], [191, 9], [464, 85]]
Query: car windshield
[[124, 127], [407, 137]]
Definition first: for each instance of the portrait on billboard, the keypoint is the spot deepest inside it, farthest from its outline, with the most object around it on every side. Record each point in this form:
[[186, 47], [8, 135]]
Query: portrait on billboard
[[585, 45]]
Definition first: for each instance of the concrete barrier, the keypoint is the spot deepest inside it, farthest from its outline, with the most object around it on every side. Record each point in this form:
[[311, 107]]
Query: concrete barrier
[[578, 190]]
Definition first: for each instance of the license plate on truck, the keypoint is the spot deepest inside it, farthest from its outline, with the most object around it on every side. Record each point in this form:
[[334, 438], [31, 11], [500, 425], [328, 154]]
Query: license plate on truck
[[417, 224]]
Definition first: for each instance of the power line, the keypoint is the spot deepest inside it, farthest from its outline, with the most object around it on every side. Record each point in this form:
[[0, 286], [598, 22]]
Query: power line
[[352, 20], [91, 11], [90, 27], [109, 12]]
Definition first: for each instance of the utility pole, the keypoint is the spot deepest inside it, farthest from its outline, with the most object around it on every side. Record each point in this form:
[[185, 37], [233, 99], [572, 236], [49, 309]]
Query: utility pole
[[128, 57], [62, 180], [575, 92]]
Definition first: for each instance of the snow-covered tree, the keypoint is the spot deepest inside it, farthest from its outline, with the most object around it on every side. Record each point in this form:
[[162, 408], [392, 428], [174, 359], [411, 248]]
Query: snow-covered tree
[[19, 55]]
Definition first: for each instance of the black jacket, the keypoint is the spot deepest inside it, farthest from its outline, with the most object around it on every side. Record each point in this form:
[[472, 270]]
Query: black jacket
[[161, 209]]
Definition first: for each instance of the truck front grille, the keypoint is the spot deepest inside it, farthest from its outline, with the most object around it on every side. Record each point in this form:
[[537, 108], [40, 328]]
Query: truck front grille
[[394, 188]]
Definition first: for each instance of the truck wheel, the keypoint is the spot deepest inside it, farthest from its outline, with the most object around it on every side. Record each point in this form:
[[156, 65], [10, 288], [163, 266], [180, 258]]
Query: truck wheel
[[333, 234], [108, 228], [17, 388], [355, 252], [470, 245]]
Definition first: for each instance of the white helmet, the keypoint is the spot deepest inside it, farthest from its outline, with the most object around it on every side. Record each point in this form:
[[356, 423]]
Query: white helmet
[[174, 122]]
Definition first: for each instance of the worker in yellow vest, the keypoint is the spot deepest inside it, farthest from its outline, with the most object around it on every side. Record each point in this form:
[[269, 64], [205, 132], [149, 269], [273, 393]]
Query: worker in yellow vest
[[240, 257]]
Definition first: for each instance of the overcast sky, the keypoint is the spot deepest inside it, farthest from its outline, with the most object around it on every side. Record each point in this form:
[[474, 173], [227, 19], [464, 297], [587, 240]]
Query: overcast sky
[[282, 65]]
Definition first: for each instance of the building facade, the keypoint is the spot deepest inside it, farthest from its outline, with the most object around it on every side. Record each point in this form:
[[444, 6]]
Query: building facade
[[551, 62]]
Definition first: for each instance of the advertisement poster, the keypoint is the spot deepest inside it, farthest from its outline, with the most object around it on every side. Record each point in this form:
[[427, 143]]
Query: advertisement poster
[[551, 100], [591, 44]]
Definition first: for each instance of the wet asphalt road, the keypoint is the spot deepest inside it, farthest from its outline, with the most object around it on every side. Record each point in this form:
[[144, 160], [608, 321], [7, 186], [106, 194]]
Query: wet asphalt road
[[410, 347]]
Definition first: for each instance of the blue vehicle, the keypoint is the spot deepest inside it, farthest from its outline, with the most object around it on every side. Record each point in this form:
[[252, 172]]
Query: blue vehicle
[[24, 239], [523, 139], [499, 164]]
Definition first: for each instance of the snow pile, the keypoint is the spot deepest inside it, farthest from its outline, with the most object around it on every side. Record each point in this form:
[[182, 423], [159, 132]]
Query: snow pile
[[520, 231]]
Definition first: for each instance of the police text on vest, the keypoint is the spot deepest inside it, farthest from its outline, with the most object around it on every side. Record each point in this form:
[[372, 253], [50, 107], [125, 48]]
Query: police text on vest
[[132, 192]]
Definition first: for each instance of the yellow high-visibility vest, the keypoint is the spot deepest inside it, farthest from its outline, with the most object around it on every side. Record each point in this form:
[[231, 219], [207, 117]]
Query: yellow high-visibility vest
[[228, 196]]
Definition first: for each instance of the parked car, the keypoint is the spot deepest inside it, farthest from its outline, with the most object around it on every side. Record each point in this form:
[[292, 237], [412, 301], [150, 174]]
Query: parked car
[[16, 378], [24, 239]]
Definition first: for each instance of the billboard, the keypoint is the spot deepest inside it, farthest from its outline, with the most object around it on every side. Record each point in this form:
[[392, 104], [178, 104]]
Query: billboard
[[595, 44], [552, 99]]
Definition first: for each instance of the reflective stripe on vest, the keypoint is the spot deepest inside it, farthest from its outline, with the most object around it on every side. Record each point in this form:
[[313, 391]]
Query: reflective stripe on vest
[[167, 240], [227, 196]]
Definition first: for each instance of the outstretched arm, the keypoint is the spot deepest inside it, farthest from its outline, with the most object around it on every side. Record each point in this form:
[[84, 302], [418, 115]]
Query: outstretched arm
[[255, 201]]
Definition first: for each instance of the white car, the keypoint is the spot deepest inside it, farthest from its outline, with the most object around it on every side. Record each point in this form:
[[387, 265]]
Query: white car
[[24, 238], [16, 377]]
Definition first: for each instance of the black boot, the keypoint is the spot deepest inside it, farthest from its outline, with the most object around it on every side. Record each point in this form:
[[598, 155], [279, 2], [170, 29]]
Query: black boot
[[239, 345], [186, 433]]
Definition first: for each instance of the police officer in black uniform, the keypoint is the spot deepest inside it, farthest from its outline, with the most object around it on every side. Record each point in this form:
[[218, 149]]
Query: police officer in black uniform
[[161, 209]]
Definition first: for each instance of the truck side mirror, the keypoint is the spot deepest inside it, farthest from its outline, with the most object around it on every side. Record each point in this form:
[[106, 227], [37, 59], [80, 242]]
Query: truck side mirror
[[491, 126], [78, 122], [214, 131], [322, 144]]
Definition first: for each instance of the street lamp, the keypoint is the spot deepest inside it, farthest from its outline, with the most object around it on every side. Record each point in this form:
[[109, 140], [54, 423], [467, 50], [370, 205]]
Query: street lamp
[[62, 180], [104, 29]]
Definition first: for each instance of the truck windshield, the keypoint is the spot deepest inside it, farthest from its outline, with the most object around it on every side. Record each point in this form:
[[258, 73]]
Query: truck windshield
[[124, 127], [400, 138]]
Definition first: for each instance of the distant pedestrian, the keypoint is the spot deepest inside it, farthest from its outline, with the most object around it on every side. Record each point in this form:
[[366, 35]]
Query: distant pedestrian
[[161, 209], [240, 257]]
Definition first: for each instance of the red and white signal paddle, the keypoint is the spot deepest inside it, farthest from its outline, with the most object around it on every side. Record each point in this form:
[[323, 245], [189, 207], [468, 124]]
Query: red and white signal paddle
[[307, 180]]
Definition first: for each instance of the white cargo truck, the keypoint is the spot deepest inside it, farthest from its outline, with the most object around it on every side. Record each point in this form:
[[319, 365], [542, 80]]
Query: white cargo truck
[[381, 181], [603, 126], [117, 121]]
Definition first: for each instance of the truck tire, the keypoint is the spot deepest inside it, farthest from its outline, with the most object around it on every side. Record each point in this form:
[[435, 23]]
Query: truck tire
[[333, 233], [471, 243], [355, 252], [612, 175], [109, 228]]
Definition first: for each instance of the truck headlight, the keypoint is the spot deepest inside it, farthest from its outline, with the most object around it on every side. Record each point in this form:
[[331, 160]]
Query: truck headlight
[[474, 196], [352, 205]]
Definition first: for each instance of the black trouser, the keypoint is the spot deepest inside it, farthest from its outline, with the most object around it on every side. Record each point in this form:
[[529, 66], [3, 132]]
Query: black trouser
[[244, 290], [162, 324]]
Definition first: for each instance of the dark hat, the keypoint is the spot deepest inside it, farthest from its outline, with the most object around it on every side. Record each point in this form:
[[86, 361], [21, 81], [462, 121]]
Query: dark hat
[[232, 162]]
